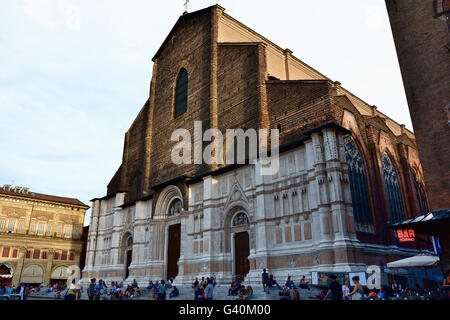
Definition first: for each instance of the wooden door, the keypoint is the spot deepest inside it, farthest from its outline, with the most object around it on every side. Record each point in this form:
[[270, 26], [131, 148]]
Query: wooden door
[[241, 253], [173, 250]]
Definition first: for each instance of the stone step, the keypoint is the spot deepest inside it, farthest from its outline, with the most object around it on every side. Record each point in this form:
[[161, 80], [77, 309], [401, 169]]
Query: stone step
[[187, 293]]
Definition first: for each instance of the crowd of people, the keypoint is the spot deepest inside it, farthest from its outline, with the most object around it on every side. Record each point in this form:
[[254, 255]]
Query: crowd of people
[[239, 290], [357, 291], [21, 292], [290, 289], [116, 291], [204, 289]]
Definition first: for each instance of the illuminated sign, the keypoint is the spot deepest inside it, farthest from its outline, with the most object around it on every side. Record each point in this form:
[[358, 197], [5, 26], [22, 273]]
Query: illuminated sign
[[406, 235]]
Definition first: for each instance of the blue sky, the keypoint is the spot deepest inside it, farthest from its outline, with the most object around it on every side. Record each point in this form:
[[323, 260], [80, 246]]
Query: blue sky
[[74, 74]]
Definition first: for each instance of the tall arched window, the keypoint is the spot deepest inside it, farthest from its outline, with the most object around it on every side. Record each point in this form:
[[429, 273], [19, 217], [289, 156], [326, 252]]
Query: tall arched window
[[420, 192], [393, 189], [358, 186], [181, 93]]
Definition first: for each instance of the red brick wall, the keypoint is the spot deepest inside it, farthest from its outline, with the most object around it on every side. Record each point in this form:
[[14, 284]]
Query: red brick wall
[[298, 106], [189, 48], [238, 96], [420, 38]]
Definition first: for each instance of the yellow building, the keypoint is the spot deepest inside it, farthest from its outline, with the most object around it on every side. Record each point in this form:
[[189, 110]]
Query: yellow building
[[40, 236]]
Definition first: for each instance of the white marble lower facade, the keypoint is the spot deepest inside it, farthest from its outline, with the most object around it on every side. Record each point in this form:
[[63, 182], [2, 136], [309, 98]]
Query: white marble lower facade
[[299, 220]]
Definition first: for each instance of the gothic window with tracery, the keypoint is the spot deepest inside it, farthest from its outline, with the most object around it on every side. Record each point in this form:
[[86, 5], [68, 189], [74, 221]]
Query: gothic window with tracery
[[392, 189], [358, 186], [240, 219]]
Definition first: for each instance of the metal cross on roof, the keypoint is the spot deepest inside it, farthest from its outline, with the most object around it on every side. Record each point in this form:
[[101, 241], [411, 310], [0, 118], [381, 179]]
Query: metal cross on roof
[[186, 5]]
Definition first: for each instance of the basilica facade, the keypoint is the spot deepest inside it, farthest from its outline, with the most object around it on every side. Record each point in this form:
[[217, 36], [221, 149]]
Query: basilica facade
[[346, 170]]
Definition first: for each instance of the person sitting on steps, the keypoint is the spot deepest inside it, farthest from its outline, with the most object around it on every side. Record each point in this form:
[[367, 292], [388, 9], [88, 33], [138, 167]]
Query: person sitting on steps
[[290, 283], [285, 293], [304, 284], [175, 293], [272, 282]]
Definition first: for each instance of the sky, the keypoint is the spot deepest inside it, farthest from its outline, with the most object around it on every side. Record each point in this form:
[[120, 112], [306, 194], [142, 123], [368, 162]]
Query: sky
[[74, 74]]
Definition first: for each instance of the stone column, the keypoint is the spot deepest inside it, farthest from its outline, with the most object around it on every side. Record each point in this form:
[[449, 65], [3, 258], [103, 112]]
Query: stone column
[[20, 265], [48, 269], [260, 228], [91, 241], [287, 56], [319, 195], [208, 221], [334, 174], [139, 241]]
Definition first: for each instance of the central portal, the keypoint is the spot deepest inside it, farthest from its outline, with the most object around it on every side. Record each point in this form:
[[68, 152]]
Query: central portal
[[241, 253], [173, 251]]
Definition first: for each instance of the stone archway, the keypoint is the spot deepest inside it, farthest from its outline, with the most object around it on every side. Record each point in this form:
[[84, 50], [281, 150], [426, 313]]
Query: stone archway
[[237, 240], [126, 253], [32, 274], [60, 273], [6, 274], [169, 208], [164, 206]]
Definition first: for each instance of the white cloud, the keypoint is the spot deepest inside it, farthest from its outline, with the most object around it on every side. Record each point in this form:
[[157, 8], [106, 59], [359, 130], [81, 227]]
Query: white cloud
[[53, 13], [73, 17], [41, 11]]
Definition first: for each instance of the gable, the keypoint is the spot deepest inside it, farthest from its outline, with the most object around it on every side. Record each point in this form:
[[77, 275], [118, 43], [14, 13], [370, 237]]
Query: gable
[[180, 21]]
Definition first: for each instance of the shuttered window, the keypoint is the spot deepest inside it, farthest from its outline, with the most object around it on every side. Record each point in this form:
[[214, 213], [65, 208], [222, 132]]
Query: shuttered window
[[5, 253]]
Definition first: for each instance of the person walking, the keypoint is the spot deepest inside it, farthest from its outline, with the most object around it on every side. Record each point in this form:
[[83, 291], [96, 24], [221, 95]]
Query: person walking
[[335, 289], [99, 289], [162, 290], [345, 290], [91, 290], [209, 290], [396, 287], [265, 280], [358, 290]]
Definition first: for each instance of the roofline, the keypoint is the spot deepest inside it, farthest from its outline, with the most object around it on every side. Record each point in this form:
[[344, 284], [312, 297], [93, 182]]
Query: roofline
[[109, 196], [30, 196], [181, 18], [273, 44]]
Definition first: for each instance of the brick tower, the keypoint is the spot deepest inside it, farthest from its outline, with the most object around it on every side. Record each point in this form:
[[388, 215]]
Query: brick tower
[[421, 30]]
